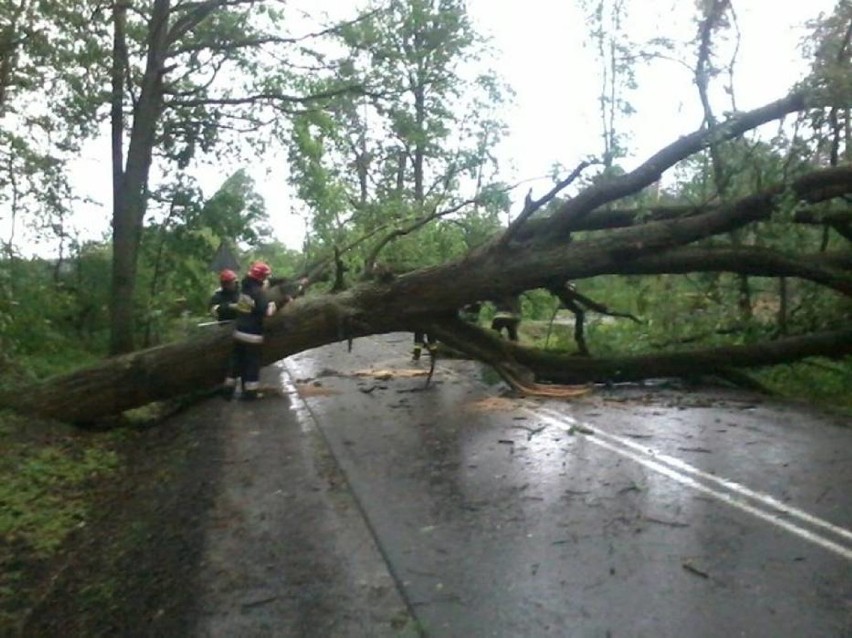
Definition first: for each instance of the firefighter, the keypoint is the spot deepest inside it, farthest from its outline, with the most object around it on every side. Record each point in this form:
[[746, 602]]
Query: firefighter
[[223, 303], [252, 308], [223, 307], [508, 316]]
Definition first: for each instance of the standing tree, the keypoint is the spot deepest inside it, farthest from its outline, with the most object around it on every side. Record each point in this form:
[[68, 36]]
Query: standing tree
[[184, 76], [377, 169], [615, 54]]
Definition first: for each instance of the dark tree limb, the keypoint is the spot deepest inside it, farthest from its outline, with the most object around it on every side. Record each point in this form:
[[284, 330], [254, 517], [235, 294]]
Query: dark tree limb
[[651, 170], [339, 272], [571, 370], [579, 325], [567, 294], [577, 304], [274, 98], [531, 206], [818, 186], [747, 260], [611, 218]]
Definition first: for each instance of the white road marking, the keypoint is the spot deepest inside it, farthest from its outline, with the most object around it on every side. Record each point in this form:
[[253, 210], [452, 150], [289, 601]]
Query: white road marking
[[297, 403], [762, 506], [775, 512]]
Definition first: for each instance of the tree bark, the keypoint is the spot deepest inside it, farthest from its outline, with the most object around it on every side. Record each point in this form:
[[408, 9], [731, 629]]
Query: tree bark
[[130, 194]]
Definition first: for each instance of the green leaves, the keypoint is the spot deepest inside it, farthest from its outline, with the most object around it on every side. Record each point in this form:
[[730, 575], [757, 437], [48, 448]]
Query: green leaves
[[183, 234], [373, 170]]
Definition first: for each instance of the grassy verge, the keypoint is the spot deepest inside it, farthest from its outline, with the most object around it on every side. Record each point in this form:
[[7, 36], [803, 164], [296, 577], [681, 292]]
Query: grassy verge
[[818, 381], [50, 479]]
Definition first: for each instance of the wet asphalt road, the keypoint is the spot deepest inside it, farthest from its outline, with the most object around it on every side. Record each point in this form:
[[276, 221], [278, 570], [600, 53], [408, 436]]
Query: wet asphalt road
[[630, 512]]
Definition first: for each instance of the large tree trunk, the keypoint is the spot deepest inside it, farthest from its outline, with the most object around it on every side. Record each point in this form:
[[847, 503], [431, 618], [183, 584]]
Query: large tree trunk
[[129, 381], [419, 300], [532, 253]]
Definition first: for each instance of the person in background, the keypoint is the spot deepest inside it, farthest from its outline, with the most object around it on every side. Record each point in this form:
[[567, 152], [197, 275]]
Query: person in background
[[470, 312], [508, 316], [223, 303], [253, 307], [421, 339]]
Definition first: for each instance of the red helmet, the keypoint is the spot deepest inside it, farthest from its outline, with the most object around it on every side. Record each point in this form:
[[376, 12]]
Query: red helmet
[[259, 271], [227, 276]]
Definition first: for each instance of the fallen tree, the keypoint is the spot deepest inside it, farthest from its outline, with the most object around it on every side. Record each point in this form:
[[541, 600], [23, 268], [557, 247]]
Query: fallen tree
[[534, 252]]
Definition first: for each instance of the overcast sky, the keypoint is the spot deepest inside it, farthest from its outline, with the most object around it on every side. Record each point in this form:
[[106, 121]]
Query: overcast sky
[[544, 59], [541, 54]]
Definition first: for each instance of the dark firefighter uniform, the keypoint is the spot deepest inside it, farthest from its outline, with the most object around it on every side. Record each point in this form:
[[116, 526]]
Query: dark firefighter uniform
[[252, 307], [223, 303]]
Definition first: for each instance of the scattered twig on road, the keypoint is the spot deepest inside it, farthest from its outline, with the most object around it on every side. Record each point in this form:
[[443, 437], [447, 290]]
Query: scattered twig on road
[[257, 603], [630, 488], [580, 428], [660, 521], [692, 569], [531, 432]]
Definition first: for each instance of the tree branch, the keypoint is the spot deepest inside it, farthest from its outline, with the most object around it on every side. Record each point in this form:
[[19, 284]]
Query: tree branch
[[531, 206], [652, 169], [414, 225], [571, 370], [814, 187], [744, 260], [271, 97], [197, 12]]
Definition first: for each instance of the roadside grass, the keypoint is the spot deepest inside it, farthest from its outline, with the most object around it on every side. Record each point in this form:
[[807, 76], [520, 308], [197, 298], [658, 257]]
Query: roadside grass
[[43, 489], [818, 381], [50, 478], [54, 481]]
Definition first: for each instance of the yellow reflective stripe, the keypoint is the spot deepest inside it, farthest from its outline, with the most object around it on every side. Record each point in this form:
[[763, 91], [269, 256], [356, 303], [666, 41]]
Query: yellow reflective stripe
[[247, 337]]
